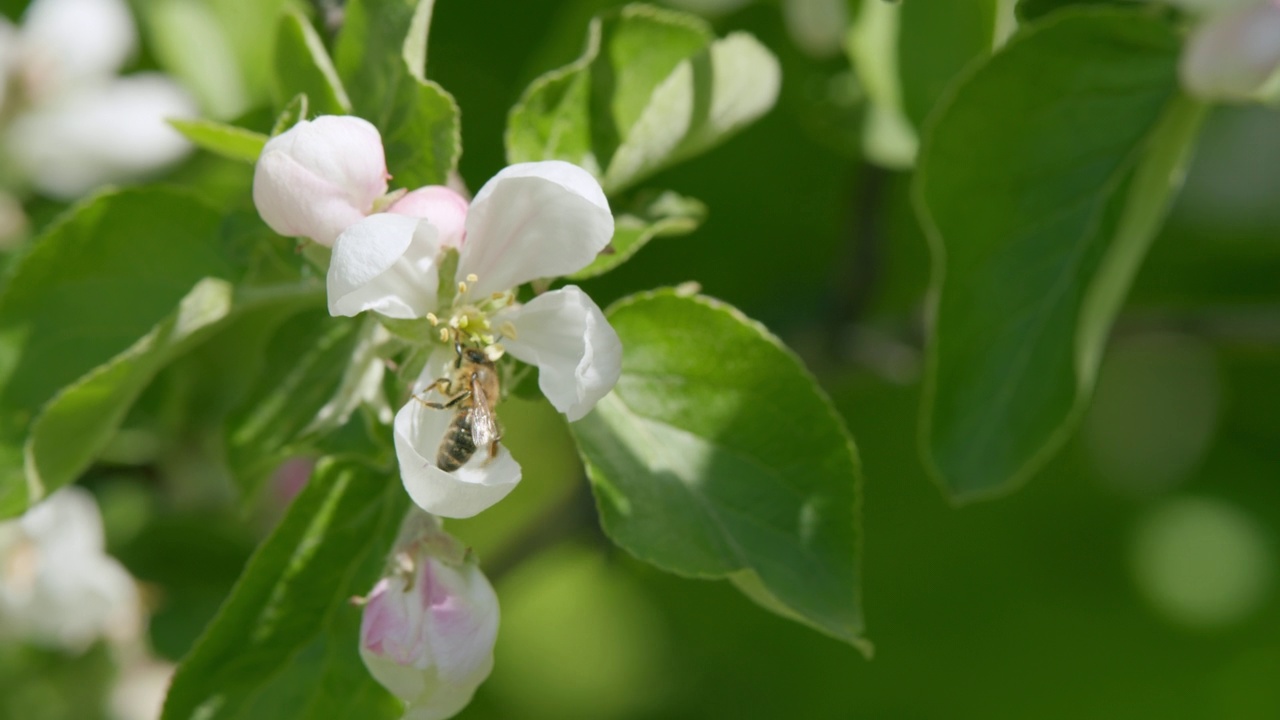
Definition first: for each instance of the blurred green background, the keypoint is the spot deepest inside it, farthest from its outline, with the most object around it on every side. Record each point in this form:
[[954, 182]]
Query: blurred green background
[[1135, 577]]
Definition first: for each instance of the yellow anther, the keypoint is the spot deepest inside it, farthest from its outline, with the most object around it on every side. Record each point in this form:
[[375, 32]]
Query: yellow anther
[[444, 335], [471, 277], [508, 330], [488, 339], [431, 318], [497, 296], [494, 351], [462, 322], [462, 288]]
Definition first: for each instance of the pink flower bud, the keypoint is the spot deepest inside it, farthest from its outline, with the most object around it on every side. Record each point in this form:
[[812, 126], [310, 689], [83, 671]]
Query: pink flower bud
[[440, 206], [1232, 55], [320, 177], [429, 626]]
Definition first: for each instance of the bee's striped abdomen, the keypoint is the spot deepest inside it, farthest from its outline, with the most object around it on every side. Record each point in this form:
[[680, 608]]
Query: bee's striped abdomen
[[457, 447]]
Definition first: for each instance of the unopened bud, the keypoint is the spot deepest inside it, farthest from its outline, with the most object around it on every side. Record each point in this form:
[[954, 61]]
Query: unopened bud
[[320, 177], [430, 624]]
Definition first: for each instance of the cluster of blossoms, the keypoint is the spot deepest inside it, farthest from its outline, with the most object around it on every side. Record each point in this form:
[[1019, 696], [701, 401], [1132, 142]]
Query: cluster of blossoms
[[452, 268], [67, 122]]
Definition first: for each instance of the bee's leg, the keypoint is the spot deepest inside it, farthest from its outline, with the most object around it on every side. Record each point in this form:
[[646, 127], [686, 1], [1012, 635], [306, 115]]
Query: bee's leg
[[457, 347], [447, 404]]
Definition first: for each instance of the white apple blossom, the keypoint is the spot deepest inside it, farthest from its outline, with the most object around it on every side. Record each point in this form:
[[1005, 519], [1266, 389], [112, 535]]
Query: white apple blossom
[[429, 626], [1233, 53], [72, 124], [57, 585], [531, 221], [326, 179]]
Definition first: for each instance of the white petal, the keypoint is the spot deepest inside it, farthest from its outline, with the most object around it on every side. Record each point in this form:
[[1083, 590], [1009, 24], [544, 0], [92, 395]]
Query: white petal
[[105, 133], [385, 263], [817, 26], [440, 205], [534, 220], [320, 177], [419, 430], [578, 354], [1232, 55], [71, 42]]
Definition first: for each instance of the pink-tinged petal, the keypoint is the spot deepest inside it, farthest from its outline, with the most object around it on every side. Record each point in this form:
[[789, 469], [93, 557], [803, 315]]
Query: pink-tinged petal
[[66, 43], [419, 431], [429, 628], [1233, 55], [440, 206], [110, 132], [577, 352], [386, 264], [320, 177], [534, 220]]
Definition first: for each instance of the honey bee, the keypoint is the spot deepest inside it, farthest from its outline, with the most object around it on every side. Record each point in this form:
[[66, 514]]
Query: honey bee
[[472, 393]]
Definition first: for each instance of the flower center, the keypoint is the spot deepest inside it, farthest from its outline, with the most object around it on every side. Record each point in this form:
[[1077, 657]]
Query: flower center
[[469, 320]]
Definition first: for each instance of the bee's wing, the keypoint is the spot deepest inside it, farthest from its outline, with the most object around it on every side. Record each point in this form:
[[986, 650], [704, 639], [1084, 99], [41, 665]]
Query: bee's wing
[[484, 426]]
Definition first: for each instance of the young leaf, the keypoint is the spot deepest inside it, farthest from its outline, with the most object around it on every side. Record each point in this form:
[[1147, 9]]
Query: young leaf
[[98, 280], [663, 215], [228, 141], [302, 65], [381, 55], [718, 456], [653, 87], [291, 389], [421, 134], [294, 112], [1041, 185], [292, 603]]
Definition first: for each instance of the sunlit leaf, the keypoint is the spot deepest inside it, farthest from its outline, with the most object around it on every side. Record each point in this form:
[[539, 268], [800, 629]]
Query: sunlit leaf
[[718, 456]]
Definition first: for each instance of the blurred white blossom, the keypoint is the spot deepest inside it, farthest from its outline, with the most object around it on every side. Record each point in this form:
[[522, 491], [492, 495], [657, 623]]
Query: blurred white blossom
[[1233, 53], [71, 123], [58, 587]]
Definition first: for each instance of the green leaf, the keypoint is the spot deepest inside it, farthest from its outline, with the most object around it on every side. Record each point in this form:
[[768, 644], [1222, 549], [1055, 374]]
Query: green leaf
[[288, 630], [422, 135], [718, 456], [98, 280], [1041, 185], [294, 112], [302, 66], [304, 367], [663, 215], [382, 56], [226, 140], [653, 87], [1029, 10], [937, 40]]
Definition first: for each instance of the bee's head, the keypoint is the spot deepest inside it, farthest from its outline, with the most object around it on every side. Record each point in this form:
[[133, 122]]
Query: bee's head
[[472, 355]]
